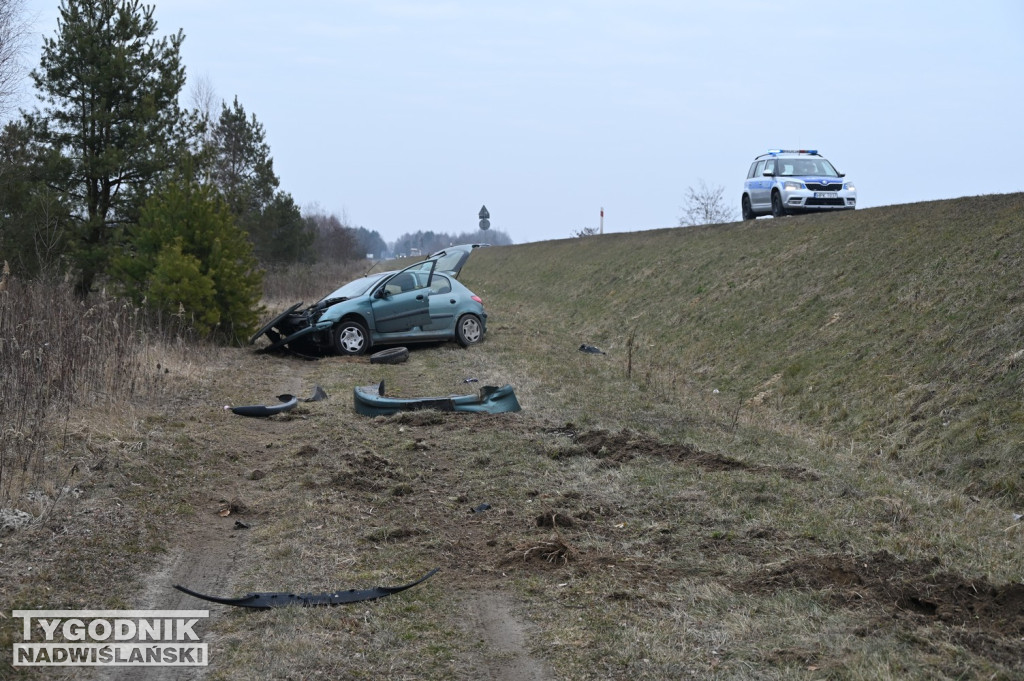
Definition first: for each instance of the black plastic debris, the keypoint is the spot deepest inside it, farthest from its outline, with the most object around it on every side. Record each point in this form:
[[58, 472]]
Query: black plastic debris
[[592, 350], [265, 601], [287, 402], [480, 509], [319, 395]]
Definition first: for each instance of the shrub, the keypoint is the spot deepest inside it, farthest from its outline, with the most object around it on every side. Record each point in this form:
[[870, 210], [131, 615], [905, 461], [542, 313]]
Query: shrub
[[187, 255]]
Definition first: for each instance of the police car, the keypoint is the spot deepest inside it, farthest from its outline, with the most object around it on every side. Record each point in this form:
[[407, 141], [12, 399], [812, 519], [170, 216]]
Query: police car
[[785, 181]]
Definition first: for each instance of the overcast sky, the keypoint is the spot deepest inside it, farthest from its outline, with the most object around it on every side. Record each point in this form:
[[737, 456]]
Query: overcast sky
[[402, 115]]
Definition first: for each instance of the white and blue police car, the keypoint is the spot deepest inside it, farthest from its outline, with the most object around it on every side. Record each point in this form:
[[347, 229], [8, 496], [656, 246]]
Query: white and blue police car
[[785, 181]]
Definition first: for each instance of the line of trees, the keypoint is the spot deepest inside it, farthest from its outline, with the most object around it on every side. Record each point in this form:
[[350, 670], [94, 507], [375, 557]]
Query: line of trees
[[109, 179], [426, 242]]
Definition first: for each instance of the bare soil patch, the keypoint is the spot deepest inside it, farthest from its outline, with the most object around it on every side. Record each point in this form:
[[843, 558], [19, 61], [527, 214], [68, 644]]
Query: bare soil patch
[[626, 444], [987, 618], [504, 639]]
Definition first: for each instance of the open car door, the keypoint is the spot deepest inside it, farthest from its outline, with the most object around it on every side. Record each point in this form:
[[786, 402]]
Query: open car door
[[402, 301]]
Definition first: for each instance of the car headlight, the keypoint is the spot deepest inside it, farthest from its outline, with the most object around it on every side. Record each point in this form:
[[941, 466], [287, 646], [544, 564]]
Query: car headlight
[[849, 187], [791, 185]]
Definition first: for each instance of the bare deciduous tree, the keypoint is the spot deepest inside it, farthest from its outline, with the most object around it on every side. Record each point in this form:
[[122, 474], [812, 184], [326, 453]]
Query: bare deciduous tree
[[13, 31], [203, 97], [706, 207]]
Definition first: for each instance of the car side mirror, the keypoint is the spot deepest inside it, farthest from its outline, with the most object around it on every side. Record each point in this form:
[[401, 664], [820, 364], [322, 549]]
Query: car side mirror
[[769, 173], [380, 293]]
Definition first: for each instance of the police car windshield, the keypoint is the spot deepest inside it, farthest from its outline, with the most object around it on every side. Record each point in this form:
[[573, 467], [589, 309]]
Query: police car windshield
[[802, 167]]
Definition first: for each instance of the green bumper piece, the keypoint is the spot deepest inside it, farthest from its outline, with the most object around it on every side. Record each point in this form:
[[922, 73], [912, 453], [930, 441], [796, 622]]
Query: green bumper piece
[[370, 400]]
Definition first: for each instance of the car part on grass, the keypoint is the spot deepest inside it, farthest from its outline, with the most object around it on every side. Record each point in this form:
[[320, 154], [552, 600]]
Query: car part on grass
[[319, 395], [371, 400], [390, 356], [592, 350], [268, 328], [279, 599], [287, 402]]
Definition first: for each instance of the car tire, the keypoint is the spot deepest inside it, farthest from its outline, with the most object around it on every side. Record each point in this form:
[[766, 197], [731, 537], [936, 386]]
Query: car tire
[[351, 338], [748, 212], [390, 356], [469, 330], [778, 209]]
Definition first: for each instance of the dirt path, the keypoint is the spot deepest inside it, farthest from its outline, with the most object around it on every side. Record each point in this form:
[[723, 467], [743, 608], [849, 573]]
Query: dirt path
[[208, 552], [503, 637], [205, 557]]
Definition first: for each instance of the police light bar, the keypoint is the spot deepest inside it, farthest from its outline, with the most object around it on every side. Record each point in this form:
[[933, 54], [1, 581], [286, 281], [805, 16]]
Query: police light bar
[[792, 151]]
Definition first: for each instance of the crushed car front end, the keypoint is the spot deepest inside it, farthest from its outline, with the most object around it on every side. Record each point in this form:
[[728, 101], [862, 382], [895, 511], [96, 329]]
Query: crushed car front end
[[304, 329]]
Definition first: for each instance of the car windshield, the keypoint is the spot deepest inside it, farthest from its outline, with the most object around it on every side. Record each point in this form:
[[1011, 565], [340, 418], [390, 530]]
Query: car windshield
[[802, 167], [357, 287]]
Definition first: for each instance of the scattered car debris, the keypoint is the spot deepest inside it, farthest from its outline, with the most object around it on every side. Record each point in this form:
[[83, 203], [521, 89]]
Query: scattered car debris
[[319, 395], [592, 350], [480, 509], [267, 600], [371, 400], [287, 402], [390, 356], [239, 525]]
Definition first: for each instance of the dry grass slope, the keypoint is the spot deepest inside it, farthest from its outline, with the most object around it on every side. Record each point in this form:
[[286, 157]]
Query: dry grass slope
[[897, 330]]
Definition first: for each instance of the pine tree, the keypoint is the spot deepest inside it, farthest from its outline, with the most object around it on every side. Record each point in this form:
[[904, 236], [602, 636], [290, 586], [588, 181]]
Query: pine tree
[[243, 170], [187, 253], [242, 166], [110, 93], [34, 223]]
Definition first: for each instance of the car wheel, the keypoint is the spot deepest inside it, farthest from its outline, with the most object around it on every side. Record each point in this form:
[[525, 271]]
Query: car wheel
[[469, 330], [778, 210], [390, 356], [748, 212], [351, 338]]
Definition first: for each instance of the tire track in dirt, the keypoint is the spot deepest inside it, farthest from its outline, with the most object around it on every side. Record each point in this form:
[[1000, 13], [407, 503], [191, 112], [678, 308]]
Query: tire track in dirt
[[205, 558], [206, 552], [490, 616]]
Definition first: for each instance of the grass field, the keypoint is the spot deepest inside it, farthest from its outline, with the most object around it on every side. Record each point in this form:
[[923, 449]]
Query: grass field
[[798, 458]]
